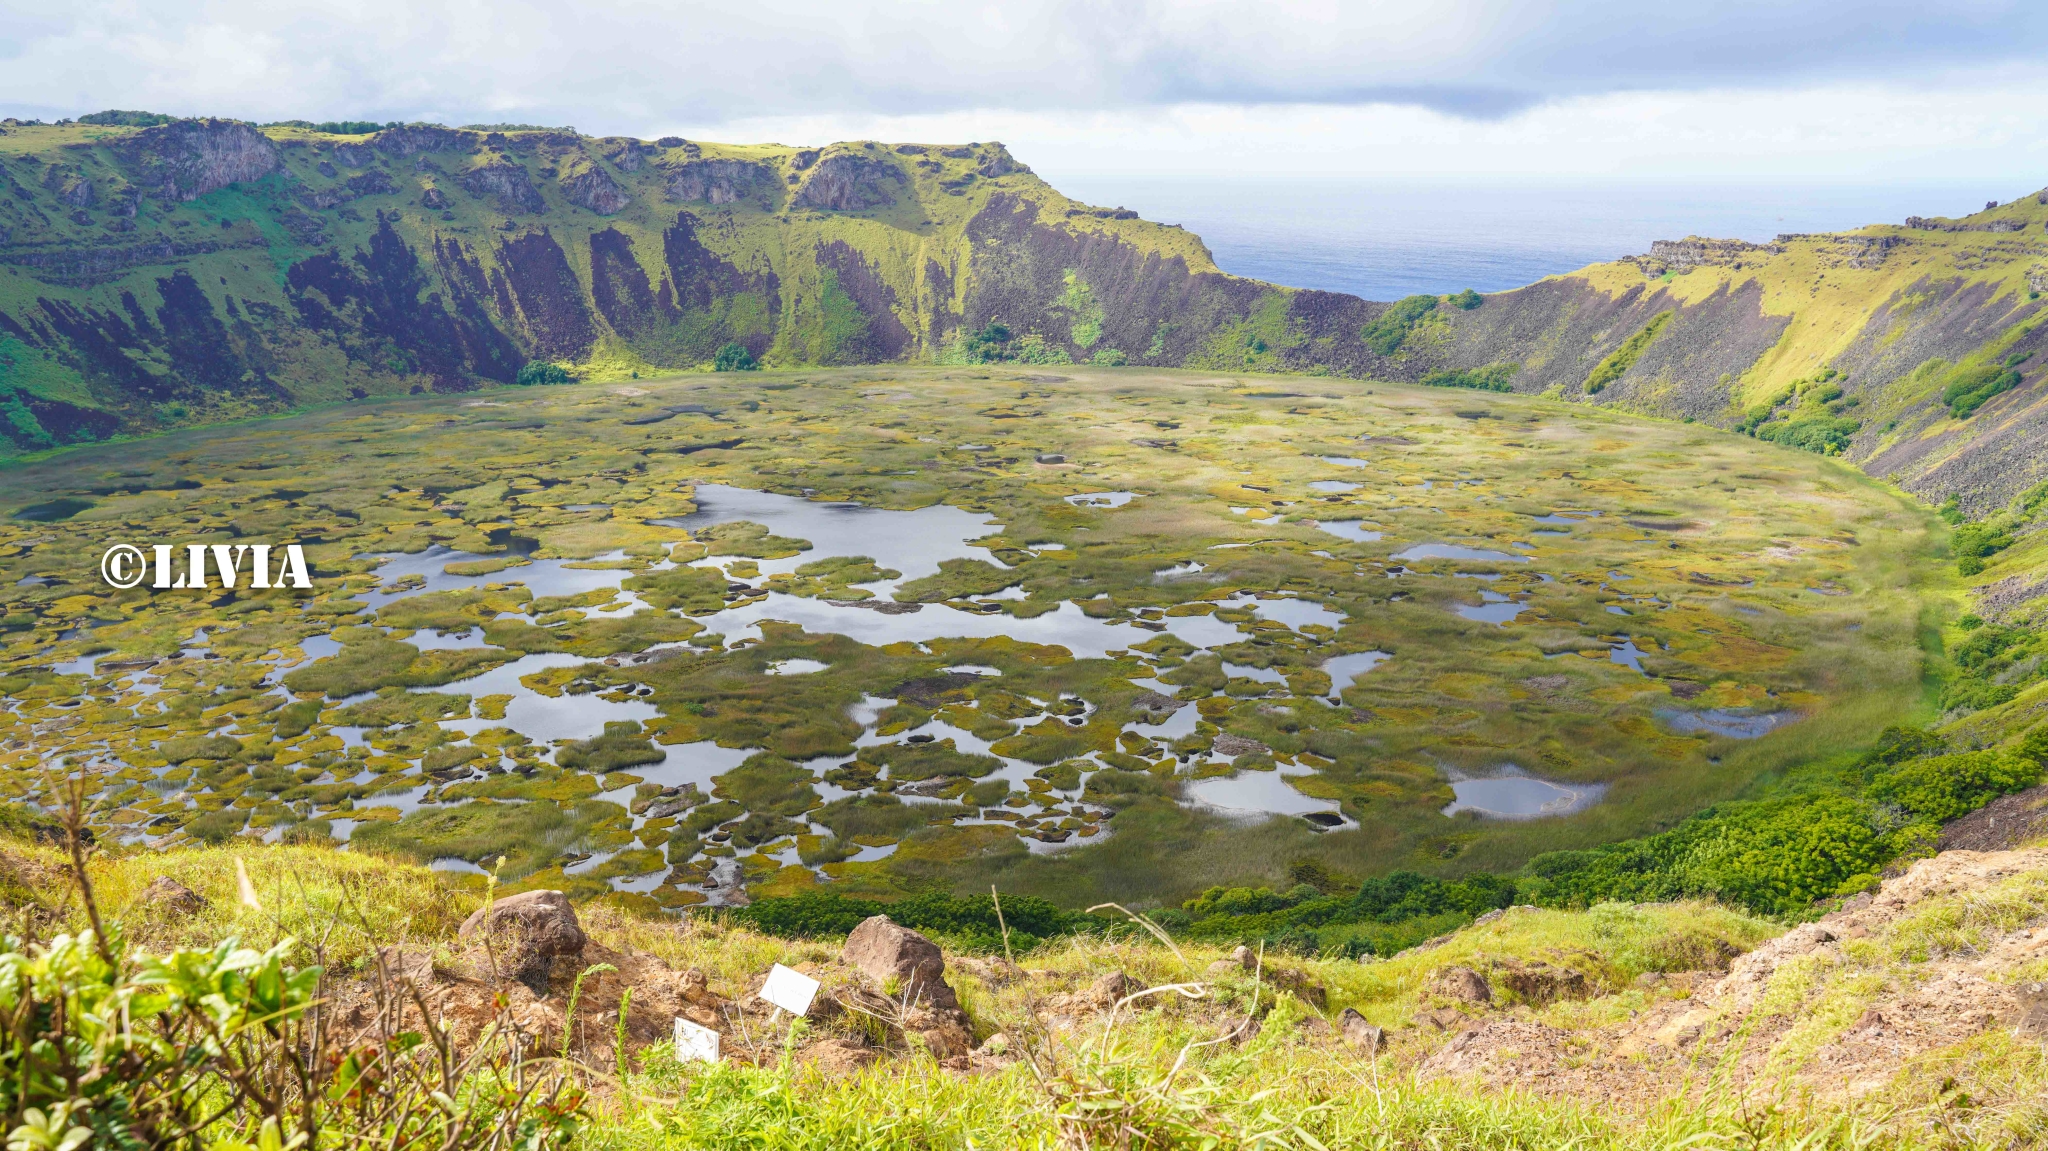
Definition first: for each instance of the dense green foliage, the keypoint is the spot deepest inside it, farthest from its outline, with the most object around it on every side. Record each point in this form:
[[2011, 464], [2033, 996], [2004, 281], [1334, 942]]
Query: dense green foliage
[[967, 922], [1971, 386], [1386, 333], [336, 127], [1943, 787], [117, 118], [734, 358], [1467, 300], [540, 372], [1993, 664], [1491, 378], [104, 1047], [1808, 415], [1624, 357], [1382, 915]]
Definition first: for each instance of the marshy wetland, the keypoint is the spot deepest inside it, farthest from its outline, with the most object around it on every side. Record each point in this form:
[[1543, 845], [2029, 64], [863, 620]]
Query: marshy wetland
[[1109, 633]]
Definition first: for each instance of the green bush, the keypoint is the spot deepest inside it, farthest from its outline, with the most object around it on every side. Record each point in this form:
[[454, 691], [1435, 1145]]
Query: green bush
[[734, 358], [117, 118], [1947, 786], [1491, 378], [1385, 334], [967, 921], [1624, 357], [1772, 856], [1815, 432], [1972, 386], [542, 372], [1467, 300]]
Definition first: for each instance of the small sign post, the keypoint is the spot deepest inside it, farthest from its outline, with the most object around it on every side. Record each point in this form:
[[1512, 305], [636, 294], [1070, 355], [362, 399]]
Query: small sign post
[[694, 1042], [789, 989]]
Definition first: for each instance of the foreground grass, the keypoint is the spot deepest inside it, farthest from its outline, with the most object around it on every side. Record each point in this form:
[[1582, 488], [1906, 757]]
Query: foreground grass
[[1157, 1078]]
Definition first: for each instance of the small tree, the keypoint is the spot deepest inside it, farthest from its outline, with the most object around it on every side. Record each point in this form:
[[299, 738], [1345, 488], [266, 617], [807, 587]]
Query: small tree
[[542, 372], [734, 358]]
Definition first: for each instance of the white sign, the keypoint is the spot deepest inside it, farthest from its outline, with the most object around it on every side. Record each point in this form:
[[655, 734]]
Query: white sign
[[694, 1042], [789, 989]]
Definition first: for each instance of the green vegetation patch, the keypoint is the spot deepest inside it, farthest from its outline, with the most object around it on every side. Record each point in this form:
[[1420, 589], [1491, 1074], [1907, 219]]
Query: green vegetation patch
[[768, 784], [910, 762], [621, 746], [1621, 359]]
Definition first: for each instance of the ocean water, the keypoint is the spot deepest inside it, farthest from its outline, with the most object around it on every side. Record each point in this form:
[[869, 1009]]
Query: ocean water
[[1384, 239]]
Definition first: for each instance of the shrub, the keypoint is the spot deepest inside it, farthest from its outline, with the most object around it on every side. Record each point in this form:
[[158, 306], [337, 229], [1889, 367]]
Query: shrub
[[968, 921], [1815, 432], [734, 358], [1772, 856], [1491, 378], [1624, 357], [1467, 300], [1947, 786], [117, 118], [1385, 334], [1971, 387], [542, 372]]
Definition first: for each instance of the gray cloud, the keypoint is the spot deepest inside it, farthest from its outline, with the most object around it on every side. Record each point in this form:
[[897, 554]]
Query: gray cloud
[[636, 65]]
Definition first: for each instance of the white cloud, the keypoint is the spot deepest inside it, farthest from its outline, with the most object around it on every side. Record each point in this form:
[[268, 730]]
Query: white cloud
[[1293, 86], [1860, 132]]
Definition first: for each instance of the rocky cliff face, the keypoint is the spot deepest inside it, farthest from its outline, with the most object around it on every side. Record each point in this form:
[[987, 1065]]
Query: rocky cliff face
[[208, 268]]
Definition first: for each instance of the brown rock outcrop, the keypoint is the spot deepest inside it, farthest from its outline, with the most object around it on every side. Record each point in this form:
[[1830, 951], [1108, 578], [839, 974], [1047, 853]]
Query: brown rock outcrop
[[846, 182], [189, 158], [528, 932]]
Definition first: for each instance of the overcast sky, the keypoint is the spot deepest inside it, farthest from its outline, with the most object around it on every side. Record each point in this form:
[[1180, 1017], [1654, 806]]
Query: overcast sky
[[1882, 89]]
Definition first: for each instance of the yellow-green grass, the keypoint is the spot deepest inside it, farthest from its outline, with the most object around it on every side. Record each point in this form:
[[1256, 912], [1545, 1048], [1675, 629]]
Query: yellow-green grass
[[1731, 534]]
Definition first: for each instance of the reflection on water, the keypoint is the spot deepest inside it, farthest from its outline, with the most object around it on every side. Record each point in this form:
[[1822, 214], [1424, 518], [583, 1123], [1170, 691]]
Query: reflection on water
[[1256, 793], [1346, 461], [1066, 626], [1732, 722], [1295, 613], [1514, 795], [1348, 529], [1497, 609], [1344, 670], [1333, 486], [911, 542], [1102, 499], [1457, 552], [541, 718]]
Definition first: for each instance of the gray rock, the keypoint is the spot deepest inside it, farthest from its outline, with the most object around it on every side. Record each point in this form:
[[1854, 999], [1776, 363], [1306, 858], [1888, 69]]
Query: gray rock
[[167, 894], [899, 957], [1360, 1034], [1462, 985], [528, 931]]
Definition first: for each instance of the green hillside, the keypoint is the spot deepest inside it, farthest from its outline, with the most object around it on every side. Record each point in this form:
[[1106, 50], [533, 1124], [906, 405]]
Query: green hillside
[[207, 269], [192, 271]]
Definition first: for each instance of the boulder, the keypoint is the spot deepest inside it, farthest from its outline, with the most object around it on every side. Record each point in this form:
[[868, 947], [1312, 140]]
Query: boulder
[[1461, 985], [1542, 983], [898, 957], [1111, 989], [2033, 998], [528, 931], [167, 894], [1360, 1034]]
